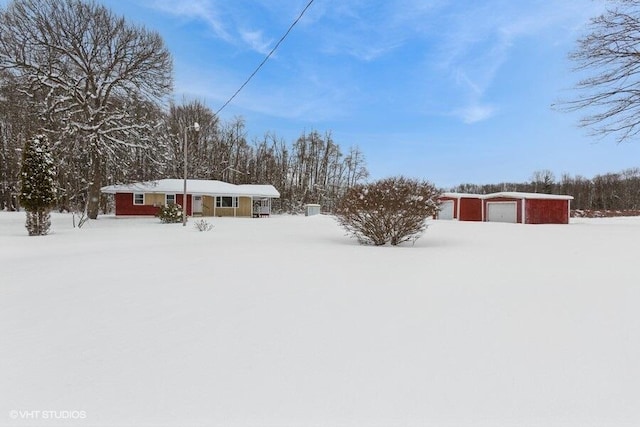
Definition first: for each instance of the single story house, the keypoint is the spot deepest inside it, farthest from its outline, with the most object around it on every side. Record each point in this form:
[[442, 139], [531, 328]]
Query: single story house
[[204, 197], [514, 207]]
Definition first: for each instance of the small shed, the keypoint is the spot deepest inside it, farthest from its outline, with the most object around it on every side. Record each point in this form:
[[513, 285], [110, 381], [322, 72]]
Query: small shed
[[527, 208], [461, 206], [311, 209]]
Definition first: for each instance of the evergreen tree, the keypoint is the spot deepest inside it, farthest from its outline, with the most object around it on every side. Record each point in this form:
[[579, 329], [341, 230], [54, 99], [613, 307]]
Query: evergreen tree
[[37, 179]]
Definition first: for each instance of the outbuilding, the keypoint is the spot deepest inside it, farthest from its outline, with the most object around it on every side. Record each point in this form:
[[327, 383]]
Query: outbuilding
[[514, 207], [204, 197], [527, 208], [461, 206]]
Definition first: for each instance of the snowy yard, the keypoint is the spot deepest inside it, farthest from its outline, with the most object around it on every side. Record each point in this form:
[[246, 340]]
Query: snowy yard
[[286, 322]]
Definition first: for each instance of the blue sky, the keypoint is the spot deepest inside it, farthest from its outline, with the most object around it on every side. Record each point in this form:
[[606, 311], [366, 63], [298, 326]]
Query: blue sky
[[450, 91]]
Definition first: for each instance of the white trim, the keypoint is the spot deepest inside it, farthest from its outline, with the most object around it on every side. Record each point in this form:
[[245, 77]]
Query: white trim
[[144, 198], [166, 197], [523, 214], [234, 201]]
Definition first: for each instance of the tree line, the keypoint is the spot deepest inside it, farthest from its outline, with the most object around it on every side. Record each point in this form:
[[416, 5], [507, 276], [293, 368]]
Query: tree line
[[612, 191], [99, 88]]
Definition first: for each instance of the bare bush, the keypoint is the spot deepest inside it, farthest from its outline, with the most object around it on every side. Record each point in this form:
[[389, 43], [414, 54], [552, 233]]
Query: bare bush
[[391, 210], [203, 225], [82, 218]]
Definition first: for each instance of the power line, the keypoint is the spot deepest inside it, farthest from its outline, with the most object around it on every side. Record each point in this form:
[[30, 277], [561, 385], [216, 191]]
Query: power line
[[266, 57]]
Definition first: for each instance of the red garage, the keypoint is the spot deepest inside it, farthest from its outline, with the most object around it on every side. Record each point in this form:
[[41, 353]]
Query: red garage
[[461, 206], [515, 207], [527, 208]]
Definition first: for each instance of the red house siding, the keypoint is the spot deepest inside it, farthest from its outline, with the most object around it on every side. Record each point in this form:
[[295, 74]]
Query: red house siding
[[543, 211], [179, 201], [470, 209], [125, 206]]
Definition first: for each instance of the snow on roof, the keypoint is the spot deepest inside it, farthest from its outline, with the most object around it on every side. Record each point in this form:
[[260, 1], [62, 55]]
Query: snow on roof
[[459, 195], [194, 186], [510, 195], [520, 195]]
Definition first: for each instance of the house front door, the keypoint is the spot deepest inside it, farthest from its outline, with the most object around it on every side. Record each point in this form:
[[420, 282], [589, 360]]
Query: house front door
[[197, 204]]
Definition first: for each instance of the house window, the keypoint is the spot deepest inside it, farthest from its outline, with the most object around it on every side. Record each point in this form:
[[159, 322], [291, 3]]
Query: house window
[[226, 202], [138, 198], [170, 199]]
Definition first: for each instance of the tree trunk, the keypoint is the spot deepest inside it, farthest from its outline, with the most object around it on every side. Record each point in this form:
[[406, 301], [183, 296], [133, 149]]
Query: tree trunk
[[38, 222], [93, 199]]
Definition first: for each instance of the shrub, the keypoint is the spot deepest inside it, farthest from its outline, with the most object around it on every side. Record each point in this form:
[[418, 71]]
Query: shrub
[[203, 225], [391, 210], [170, 213]]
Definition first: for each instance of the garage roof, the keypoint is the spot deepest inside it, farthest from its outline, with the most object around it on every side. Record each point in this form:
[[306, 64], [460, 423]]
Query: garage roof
[[510, 195], [520, 195], [459, 195]]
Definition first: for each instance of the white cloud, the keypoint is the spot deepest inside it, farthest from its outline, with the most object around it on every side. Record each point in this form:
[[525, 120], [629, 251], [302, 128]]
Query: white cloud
[[476, 40], [476, 113], [222, 19], [366, 30], [203, 10], [462, 45], [256, 41], [308, 97]]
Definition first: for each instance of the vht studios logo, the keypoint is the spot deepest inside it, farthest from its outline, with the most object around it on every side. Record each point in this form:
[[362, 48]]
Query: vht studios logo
[[47, 415]]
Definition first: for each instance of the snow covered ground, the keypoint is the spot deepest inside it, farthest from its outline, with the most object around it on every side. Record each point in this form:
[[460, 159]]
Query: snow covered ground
[[286, 322]]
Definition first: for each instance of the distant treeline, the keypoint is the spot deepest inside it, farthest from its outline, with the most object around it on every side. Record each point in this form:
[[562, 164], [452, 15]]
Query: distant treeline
[[611, 191]]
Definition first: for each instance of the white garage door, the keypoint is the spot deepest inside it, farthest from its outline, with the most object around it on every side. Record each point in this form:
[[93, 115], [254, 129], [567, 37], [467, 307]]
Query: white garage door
[[446, 210], [502, 212]]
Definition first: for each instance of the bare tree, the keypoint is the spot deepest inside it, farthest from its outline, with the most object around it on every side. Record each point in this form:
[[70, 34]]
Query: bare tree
[[203, 147], [611, 94], [16, 124], [82, 64], [543, 181]]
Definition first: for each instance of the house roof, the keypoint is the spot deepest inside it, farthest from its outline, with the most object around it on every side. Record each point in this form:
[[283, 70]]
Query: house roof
[[510, 195], [194, 186]]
